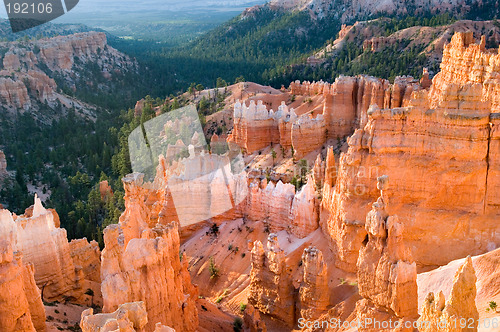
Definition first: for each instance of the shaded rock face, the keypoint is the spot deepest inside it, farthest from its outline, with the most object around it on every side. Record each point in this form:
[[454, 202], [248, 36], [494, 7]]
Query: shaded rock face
[[21, 307], [440, 153], [252, 320], [44, 245], [87, 260], [313, 292], [271, 289], [438, 314], [343, 108], [128, 317], [387, 275], [141, 262]]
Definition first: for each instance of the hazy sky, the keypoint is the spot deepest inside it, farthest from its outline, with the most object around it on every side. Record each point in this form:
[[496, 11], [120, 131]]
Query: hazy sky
[[103, 6]]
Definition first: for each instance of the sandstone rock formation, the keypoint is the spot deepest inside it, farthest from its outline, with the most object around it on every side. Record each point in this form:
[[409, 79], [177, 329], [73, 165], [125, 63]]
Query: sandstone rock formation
[[387, 274], [438, 152], [129, 317], [252, 320], [87, 260], [282, 208], [459, 313], [140, 262], [343, 107], [45, 245], [271, 290], [314, 294], [21, 307]]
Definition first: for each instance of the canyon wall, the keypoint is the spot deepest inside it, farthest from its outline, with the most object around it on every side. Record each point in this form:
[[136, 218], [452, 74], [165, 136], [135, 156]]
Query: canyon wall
[[140, 261], [439, 152], [343, 107]]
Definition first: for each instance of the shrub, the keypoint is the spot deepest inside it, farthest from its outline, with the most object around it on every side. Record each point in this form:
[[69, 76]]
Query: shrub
[[243, 306], [214, 270], [238, 324]]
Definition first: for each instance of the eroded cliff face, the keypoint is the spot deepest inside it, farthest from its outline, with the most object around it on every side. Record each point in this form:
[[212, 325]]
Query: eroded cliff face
[[337, 109], [44, 245], [438, 154], [140, 262], [282, 208], [26, 79], [21, 307]]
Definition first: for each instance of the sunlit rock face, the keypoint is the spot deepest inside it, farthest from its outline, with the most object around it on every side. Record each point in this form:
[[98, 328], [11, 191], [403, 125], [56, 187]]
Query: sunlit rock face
[[343, 107], [438, 314], [128, 317], [44, 245], [21, 307], [140, 262], [439, 152]]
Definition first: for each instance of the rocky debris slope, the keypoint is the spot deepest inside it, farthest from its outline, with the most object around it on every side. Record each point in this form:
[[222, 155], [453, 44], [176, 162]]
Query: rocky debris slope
[[21, 307], [140, 262], [438, 153], [42, 243], [459, 313]]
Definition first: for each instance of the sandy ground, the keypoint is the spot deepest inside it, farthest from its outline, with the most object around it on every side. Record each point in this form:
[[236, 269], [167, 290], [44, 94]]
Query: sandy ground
[[63, 317], [230, 250]]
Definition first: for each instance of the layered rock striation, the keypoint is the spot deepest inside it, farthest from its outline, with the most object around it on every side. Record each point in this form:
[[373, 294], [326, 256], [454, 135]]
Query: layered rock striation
[[439, 152], [27, 76], [343, 107], [387, 274]]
